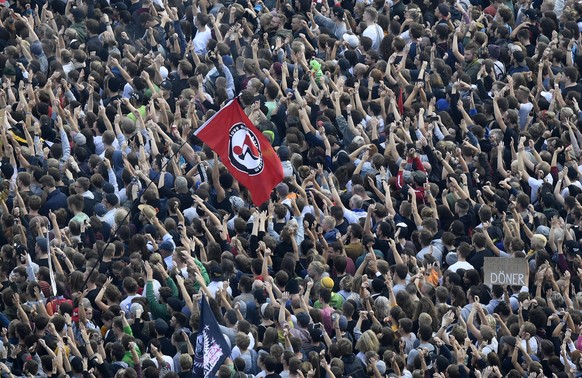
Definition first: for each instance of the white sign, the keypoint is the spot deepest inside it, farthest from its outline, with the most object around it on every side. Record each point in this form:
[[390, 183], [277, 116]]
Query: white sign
[[506, 271]]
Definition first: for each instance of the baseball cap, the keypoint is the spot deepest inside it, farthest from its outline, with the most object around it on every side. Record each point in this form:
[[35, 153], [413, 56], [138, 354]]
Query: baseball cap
[[419, 177], [352, 40], [161, 326], [236, 203], [381, 365], [572, 246], [166, 85], [79, 139], [404, 232], [338, 12], [163, 72], [283, 153], [327, 283], [120, 5], [216, 272], [532, 14], [282, 189], [443, 105], [543, 230], [100, 210], [36, 48], [108, 188], [135, 307], [167, 246], [137, 97], [42, 243], [111, 199]]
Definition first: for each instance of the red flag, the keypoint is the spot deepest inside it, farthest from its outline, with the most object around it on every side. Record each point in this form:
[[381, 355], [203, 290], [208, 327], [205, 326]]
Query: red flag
[[244, 150], [400, 102]]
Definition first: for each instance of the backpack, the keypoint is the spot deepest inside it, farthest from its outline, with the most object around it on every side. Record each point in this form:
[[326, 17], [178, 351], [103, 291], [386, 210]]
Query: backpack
[[210, 83], [254, 356], [53, 306], [355, 368], [500, 71], [210, 80], [538, 352]]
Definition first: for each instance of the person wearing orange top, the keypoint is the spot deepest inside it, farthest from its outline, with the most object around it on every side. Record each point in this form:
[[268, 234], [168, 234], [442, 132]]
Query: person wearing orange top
[[432, 272]]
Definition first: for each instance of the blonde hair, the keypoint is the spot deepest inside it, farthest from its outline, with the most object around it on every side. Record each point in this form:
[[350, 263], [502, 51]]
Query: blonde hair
[[425, 319], [538, 241], [120, 215], [329, 221], [108, 38], [368, 342], [318, 267], [346, 284]]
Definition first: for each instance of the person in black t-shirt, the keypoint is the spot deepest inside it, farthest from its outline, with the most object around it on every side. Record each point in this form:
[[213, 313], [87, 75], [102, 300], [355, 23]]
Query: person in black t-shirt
[[481, 251]]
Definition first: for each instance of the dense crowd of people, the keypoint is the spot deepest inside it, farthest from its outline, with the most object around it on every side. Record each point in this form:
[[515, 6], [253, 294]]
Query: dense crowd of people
[[417, 139]]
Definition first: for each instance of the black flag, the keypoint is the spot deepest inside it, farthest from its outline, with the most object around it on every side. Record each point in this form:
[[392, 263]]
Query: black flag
[[211, 346]]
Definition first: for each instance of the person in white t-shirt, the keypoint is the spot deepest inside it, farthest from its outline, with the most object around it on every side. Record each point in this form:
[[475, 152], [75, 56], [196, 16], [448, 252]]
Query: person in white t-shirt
[[216, 281], [110, 201], [462, 253], [130, 287], [373, 30], [525, 106], [203, 34], [542, 173]]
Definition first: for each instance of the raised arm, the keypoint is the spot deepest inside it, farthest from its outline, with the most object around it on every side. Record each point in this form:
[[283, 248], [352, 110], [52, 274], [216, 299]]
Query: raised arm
[[498, 115]]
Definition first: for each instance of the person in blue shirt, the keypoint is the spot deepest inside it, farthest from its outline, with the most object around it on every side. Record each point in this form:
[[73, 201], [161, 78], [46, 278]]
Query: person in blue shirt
[[517, 63], [55, 199]]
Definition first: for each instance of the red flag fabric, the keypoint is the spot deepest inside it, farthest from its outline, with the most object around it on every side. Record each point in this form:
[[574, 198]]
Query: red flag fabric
[[244, 150], [400, 101]]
